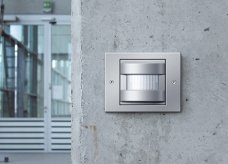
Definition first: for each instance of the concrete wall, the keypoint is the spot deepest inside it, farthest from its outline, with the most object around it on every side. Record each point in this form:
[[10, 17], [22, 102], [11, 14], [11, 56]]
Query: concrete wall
[[198, 29], [61, 7]]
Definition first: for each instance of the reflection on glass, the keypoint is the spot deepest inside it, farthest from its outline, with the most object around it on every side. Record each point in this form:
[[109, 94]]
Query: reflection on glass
[[21, 72], [61, 71]]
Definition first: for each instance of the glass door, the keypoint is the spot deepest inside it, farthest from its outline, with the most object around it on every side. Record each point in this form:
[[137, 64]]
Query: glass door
[[35, 85], [22, 88], [61, 87]]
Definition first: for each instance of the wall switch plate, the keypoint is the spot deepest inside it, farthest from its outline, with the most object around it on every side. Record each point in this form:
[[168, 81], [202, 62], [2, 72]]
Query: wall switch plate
[[142, 82]]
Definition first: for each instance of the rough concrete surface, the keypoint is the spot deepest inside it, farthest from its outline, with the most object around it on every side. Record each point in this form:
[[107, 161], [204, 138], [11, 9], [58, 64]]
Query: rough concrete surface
[[199, 30]]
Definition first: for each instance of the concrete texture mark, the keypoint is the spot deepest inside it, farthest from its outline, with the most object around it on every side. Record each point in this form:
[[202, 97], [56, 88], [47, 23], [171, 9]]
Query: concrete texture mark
[[116, 42], [217, 127], [207, 29], [161, 5]]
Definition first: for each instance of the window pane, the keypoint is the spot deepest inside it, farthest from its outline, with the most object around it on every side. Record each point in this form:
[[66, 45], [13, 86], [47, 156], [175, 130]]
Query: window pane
[[21, 72], [61, 71]]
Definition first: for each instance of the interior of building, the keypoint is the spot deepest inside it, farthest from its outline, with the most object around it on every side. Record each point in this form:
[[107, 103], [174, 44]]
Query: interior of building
[[35, 81]]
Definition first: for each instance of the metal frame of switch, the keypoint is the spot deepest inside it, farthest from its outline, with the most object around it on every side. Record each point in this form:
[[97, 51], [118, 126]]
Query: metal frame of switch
[[114, 95]]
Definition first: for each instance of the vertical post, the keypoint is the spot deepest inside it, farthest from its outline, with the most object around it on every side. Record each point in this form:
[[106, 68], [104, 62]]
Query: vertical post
[[34, 48], [20, 82], [47, 85], [15, 78], [2, 7]]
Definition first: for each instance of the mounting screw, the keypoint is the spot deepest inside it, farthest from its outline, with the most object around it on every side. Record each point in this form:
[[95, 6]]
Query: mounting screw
[[174, 82], [111, 81]]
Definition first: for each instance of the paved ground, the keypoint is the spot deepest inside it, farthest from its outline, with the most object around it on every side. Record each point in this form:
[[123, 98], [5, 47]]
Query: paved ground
[[37, 158]]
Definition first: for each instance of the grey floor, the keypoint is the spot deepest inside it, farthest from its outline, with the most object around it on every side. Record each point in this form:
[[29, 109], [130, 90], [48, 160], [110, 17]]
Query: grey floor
[[36, 158]]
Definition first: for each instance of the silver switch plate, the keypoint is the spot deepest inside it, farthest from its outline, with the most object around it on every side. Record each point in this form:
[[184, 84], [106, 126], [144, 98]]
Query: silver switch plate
[[145, 93]]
